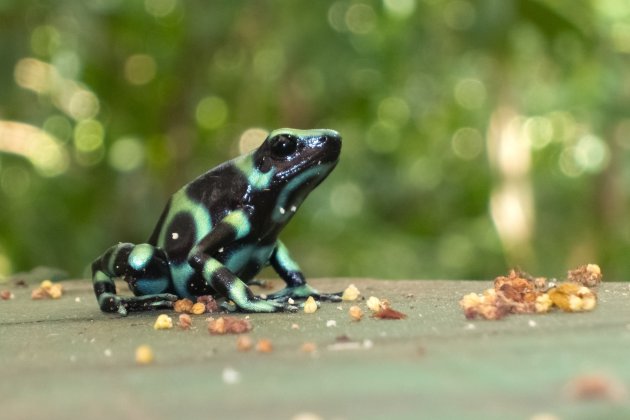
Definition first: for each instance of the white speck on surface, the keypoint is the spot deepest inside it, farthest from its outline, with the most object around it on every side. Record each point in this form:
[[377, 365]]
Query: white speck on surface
[[368, 344], [331, 323], [531, 323], [230, 376], [340, 308], [470, 326], [175, 235], [77, 299], [73, 358], [108, 353], [93, 340]]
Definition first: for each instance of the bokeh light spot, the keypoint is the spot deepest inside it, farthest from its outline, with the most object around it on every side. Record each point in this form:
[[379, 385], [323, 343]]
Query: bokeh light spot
[[400, 8], [140, 69], [88, 135], [82, 104], [160, 8], [251, 139], [383, 137], [394, 110], [459, 14], [591, 154], [126, 154], [361, 19], [467, 143], [470, 93], [539, 131], [211, 113], [45, 40], [346, 199]]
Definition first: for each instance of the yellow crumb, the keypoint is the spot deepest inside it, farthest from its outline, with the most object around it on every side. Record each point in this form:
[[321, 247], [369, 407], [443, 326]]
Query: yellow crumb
[[144, 355], [310, 306], [351, 293], [163, 322]]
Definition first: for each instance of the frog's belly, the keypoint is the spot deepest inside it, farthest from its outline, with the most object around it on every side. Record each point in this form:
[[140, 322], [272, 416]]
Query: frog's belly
[[248, 260]]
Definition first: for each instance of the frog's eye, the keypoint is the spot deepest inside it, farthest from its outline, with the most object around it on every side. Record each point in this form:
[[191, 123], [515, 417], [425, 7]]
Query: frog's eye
[[283, 145]]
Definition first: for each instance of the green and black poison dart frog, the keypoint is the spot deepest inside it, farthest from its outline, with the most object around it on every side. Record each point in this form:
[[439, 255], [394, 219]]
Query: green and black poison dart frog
[[220, 230]]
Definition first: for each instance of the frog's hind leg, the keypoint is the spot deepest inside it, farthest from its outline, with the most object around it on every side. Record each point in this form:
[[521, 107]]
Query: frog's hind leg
[[144, 267]]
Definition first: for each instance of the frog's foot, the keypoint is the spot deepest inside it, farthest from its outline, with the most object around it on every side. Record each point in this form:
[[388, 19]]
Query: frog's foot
[[302, 292], [123, 305], [260, 306]]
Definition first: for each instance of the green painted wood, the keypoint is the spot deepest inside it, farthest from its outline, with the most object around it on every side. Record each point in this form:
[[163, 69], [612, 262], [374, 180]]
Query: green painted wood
[[65, 359]]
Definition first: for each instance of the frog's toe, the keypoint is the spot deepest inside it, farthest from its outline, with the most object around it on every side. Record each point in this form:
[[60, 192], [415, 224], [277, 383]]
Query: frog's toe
[[303, 292], [328, 297], [149, 302]]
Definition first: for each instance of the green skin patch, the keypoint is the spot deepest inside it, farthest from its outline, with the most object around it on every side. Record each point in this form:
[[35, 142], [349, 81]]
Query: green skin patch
[[249, 199]]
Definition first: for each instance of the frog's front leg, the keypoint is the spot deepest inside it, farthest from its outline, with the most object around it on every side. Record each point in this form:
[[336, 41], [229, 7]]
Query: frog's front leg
[[144, 267], [233, 227], [290, 272]]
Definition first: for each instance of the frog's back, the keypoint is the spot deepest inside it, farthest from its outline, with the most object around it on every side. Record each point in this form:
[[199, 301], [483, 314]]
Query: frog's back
[[190, 213]]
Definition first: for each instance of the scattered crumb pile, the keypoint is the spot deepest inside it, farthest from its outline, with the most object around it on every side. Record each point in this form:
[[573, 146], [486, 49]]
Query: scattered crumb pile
[[519, 293], [204, 304], [47, 289], [229, 325]]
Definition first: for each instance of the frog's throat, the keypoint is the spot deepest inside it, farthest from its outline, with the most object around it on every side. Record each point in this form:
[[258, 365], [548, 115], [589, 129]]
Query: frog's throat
[[284, 209]]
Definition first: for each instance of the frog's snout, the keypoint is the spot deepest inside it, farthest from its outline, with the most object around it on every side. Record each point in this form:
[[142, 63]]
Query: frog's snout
[[331, 141]]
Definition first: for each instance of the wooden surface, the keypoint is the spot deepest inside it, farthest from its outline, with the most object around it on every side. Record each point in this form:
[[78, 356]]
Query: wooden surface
[[64, 359]]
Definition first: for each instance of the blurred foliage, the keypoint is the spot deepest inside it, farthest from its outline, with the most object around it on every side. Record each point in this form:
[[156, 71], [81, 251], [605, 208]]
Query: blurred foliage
[[477, 135]]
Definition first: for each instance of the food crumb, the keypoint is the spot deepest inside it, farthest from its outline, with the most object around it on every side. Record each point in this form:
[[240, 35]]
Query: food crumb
[[163, 322], [389, 313], [264, 346], [244, 343], [198, 308], [183, 305], [531, 323], [229, 325], [308, 347], [210, 302], [77, 299], [331, 323], [589, 275], [47, 289], [351, 293], [107, 352], [573, 297], [373, 303], [595, 386], [310, 306], [355, 313], [185, 321], [144, 355], [6, 295], [230, 376], [295, 326]]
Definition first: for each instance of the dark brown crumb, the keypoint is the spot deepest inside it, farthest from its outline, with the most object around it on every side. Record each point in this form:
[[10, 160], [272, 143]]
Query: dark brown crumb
[[210, 302], [389, 313]]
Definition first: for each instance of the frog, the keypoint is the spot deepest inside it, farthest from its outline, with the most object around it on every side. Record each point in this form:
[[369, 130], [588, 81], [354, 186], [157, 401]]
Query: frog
[[220, 230]]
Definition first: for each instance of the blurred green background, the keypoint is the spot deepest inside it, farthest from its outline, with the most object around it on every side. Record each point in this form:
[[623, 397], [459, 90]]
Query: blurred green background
[[478, 135]]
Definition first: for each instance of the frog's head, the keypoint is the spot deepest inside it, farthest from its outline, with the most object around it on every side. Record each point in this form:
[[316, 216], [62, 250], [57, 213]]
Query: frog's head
[[294, 162]]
